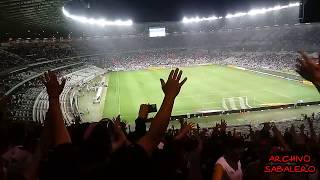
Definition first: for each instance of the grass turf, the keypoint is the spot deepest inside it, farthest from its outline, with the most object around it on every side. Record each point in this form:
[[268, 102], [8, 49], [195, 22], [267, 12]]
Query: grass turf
[[205, 89]]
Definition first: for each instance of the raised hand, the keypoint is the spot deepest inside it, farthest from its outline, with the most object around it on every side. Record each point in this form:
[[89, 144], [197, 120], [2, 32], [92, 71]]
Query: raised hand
[[223, 126], [215, 129], [121, 137], [217, 126], [301, 128], [117, 124], [54, 88], [172, 87], [292, 130], [143, 111], [185, 130], [279, 136], [275, 130], [182, 123], [266, 126], [312, 131], [159, 125], [310, 122], [57, 124], [308, 68]]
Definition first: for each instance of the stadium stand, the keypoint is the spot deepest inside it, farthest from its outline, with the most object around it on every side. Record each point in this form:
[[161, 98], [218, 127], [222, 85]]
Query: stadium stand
[[269, 38], [41, 136], [75, 79]]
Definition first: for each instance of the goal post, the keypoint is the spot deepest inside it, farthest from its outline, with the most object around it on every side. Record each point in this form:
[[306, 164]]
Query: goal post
[[235, 103]]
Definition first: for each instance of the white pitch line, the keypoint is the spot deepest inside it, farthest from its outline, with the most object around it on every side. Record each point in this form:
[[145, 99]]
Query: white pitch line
[[242, 104], [247, 103], [232, 104], [119, 108], [224, 104]]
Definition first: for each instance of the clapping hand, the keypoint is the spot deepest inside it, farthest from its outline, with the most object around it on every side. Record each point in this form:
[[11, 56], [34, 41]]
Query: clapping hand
[[308, 68], [172, 87], [54, 88]]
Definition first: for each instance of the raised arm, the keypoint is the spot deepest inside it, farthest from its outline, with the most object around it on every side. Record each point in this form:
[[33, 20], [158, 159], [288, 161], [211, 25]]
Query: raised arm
[[54, 131], [121, 138], [309, 69], [54, 89], [158, 126], [32, 171], [280, 138], [312, 132]]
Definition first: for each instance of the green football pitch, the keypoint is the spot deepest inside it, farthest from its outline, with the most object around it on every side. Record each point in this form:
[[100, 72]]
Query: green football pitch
[[208, 88]]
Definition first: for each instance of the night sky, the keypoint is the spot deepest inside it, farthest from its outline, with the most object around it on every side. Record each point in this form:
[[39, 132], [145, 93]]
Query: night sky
[[164, 10]]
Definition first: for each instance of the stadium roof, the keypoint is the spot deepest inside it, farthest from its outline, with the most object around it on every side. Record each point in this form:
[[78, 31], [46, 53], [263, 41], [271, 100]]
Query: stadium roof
[[15, 14], [20, 16]]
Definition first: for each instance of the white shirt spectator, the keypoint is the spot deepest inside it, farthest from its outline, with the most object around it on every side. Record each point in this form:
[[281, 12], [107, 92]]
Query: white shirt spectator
[[232, 174]]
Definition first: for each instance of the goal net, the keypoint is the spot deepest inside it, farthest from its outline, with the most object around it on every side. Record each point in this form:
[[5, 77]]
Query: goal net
[[235, 103]]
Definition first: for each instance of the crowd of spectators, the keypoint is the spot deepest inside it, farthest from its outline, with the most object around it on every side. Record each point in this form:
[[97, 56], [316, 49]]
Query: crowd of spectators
[[108, 150], [263, 39], [165, 58], [36, 51], [23, 99], [269, 38], [8, 60], [20, 55], [278, 61], [10, 80]]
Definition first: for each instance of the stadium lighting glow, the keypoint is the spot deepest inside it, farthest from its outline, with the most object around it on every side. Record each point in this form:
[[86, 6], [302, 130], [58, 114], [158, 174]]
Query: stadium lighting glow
[[197, 19], [252, 12], [275, 8], [235, 15], [99, 22]]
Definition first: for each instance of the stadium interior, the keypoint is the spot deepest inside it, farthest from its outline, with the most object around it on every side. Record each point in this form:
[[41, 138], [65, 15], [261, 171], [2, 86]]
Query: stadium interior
[[67, 73]]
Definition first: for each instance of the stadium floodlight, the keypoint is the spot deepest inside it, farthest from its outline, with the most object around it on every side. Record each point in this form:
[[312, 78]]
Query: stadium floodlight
[[278, 7], [275, 8], [99, 22], [197, 19], [228, 16], [296, 4], [250, 12], [257, 11]]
